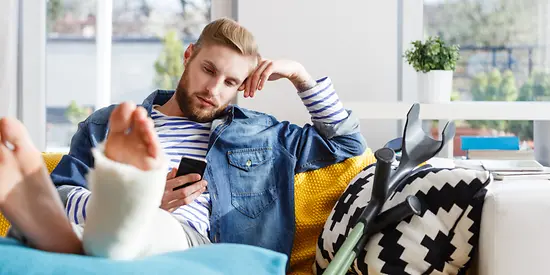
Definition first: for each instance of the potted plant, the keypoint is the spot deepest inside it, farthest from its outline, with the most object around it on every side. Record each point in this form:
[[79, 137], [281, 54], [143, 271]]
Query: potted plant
[[435, 63]]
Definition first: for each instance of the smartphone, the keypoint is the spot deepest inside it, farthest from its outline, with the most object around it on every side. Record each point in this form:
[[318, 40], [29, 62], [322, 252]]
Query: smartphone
[[190, 166]]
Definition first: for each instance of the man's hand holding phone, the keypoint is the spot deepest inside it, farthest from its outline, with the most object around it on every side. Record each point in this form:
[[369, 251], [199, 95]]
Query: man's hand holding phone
[[182, 187]]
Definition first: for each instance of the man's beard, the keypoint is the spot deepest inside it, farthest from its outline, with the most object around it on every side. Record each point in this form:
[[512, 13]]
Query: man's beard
[[192, 112]]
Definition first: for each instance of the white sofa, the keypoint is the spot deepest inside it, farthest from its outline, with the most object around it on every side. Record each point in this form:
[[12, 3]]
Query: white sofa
[[515, 229]]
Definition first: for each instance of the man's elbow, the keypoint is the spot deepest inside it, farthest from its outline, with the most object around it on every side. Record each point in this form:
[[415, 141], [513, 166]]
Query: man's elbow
[[352, 144]]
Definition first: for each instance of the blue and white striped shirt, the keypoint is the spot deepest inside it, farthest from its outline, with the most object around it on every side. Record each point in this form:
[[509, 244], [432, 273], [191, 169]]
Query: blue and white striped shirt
[[179, 136], [323, 103]]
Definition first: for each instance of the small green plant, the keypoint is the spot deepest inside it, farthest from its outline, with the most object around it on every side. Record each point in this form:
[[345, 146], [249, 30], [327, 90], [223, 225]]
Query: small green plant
[[76, 113], [433, 54]]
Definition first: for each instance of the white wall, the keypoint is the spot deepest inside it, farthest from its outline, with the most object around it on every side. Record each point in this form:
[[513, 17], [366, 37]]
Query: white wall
[[223, 8], [354, 42], [413, 29], [8, 58]]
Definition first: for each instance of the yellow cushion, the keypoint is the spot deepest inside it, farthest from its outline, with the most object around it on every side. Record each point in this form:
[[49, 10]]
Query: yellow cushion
[[51, 160], [4, 225], [316, 193]]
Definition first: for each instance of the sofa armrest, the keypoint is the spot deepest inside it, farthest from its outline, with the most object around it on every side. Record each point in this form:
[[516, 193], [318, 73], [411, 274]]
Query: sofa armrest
[[514, 235]]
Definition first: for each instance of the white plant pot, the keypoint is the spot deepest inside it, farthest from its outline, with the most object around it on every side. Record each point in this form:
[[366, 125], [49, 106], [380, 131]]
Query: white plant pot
[[435, 86]]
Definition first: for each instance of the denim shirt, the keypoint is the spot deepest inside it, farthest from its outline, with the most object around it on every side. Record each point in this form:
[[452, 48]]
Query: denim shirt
[[252, 159]]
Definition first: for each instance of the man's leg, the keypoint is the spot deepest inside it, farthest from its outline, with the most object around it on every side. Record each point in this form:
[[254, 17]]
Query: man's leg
[[124, 220], [28, 198], [167, 234]]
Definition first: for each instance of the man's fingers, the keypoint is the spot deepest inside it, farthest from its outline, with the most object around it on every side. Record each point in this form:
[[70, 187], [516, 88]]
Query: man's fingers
[[242, 87], [193, 196], [179, 202], [171, 174], [265, 75], [248, 86], [188, 190], [175, 204], [252, 81], [182, 193], [181, 180], [245, 86], [257, 75]]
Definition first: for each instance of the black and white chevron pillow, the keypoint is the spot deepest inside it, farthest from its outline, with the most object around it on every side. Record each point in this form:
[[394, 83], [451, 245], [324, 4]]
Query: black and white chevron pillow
[[439, 241]]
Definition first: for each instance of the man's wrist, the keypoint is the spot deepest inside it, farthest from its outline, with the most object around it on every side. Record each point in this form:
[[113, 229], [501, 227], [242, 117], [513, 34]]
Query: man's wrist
[[304, 81]]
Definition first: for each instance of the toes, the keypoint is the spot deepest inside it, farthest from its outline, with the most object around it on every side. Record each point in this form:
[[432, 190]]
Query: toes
[[143, 129], [9, 172], [139, 116], [5, 153], [132, 139], [13, 132], [16, 139], [121, 117]]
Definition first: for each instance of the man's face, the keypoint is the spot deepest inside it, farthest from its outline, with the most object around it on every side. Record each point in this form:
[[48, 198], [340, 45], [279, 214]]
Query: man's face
[[210, 81]]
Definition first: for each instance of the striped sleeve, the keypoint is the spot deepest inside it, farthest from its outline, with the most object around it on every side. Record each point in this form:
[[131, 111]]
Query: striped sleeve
[[323, 103], [77, 202]]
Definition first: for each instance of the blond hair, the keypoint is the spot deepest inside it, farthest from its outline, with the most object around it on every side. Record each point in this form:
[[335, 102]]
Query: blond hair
[[226, 32]]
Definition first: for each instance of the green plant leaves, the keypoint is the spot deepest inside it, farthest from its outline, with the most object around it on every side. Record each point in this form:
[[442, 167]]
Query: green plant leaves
[[169, 64], [433, 54], [501, 86]]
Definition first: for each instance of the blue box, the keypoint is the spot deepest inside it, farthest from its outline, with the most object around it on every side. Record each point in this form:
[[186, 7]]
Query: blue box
[[489, 143]]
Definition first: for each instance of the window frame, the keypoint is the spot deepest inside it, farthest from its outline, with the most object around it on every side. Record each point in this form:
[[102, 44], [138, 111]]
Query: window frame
[[31, 73], [31, 70]]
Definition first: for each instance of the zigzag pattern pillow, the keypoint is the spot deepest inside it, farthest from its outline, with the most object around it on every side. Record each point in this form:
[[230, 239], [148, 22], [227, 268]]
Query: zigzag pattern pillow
[[439, 241]]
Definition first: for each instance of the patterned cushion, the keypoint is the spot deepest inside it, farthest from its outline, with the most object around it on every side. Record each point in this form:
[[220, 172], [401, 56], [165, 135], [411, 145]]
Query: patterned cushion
[[441, 240]]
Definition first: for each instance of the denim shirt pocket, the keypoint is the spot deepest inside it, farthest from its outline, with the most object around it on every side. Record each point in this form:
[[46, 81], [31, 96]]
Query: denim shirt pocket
[[251, 179]]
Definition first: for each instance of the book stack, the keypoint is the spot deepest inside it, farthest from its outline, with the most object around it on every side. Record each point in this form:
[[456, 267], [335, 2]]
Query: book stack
[[503, 157], [495, 148], [516, 169]]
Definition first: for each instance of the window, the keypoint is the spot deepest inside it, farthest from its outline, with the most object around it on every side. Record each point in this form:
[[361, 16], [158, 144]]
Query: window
[[142, 31], [70, 68], [504, 48]]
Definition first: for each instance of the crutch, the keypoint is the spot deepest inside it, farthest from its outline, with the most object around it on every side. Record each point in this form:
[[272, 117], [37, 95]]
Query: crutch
[[417, 147]]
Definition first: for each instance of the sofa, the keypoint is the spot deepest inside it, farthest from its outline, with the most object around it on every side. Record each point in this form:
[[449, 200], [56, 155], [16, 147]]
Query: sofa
[[514, 234], [316, 192], [512, 239]]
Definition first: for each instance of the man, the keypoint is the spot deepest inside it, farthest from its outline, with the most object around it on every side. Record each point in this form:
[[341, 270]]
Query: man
[[246, 194]]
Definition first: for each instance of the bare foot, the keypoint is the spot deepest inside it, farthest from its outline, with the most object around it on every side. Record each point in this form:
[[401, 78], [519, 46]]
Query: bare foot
[[28, 198], [132, 139]]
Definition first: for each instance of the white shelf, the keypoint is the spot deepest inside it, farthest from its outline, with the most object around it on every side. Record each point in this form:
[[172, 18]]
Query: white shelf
[[480, 110]]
